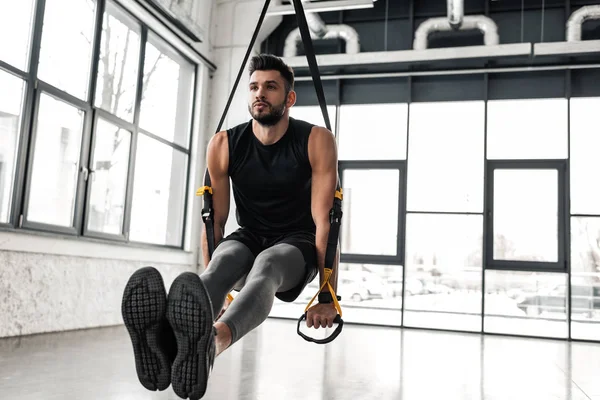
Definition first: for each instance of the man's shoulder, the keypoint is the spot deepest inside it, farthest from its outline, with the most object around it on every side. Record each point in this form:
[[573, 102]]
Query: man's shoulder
[[301, 125], [239, 128]]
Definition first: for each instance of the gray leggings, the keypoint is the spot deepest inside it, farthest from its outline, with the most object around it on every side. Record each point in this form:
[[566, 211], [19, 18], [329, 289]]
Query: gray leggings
[[276, 269]]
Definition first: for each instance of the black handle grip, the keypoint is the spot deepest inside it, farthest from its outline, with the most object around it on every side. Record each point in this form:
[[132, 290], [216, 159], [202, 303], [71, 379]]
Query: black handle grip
[[337, 320]]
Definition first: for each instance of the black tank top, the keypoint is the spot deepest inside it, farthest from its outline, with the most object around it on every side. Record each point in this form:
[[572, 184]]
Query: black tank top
[[272, 183]]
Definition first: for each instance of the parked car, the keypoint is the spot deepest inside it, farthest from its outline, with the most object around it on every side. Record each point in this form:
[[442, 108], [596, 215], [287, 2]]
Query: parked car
[[584, 300]]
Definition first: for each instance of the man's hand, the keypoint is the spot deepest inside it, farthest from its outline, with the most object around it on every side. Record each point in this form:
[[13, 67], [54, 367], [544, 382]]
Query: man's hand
[[321, 315]]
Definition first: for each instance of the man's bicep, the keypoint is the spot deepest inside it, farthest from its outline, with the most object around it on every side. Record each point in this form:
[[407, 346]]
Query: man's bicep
[[218, 161], [221, 199], [323, 155]]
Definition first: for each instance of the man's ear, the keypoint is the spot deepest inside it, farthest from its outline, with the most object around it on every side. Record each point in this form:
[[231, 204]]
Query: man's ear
[[291, 99]]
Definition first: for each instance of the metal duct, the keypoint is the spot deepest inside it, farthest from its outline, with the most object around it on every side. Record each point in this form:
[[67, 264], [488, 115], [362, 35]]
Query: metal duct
[[315, 23], [479, 22], [344, 32], [456, 12], [576, 20], [319, 30]]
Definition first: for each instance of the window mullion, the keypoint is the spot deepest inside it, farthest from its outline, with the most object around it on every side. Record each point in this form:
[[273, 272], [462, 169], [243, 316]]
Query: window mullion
[[100, 7], [84, 180], [25, 151]]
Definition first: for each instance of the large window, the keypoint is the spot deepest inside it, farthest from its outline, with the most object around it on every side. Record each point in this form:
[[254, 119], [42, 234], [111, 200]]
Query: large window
[[107, 151], [472, 215], [444, 222], [527, 204], [585, 218]]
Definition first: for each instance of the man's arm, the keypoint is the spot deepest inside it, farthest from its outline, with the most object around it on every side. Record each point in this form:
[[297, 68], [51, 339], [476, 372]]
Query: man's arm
[[322, 153], [217, 160]]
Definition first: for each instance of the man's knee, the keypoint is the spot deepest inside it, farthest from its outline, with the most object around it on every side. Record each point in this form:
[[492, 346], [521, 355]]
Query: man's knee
[[277, 258], [229, 252], [231, 261]]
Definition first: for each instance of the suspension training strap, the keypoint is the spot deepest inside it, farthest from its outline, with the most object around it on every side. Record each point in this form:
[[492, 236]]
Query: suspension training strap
[[312, 60], [206, 190], [335, 214]]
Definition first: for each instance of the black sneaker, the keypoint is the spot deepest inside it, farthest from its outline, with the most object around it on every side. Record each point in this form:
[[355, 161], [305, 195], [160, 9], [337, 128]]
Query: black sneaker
[[189, 311], [143, 309]]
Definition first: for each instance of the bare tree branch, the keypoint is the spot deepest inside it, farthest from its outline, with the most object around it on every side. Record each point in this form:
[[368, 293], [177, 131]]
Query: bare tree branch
[[107, 77], [119, 91], [150, 73]]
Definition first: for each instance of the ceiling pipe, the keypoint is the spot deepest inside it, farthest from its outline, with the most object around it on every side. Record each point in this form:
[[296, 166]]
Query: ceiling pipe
[[344, 32], [321, 31], [456, 13], [578, 18], [455, 21], [480, 22], [315, 23]]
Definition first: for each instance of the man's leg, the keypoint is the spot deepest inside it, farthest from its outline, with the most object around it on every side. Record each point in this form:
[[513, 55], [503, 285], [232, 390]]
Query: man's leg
[[193, 304], [231, 261], [277, 269]]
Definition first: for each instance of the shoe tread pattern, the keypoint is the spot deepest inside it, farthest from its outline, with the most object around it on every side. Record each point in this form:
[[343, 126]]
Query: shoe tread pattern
[[189, 312], [143, 308]]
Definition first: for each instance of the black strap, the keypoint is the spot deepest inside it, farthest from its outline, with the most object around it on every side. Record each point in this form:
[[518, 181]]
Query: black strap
[[336, 211], [312, 60], [207, 210], [335, 215]]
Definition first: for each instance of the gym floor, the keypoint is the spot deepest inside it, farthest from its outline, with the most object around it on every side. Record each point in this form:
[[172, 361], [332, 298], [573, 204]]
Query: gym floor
[[273, 362]]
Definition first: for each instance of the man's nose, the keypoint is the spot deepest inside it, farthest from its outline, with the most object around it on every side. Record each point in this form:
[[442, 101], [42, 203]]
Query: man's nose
[[260, 93]]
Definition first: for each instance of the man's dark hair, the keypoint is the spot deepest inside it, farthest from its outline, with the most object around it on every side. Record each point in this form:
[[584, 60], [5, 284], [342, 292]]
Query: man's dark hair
[[268, 62]]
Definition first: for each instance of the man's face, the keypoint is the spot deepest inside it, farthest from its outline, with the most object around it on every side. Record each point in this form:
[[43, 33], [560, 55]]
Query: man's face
[[267, 102]]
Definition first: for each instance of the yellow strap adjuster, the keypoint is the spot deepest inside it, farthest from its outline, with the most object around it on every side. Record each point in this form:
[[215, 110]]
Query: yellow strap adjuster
[[328, 273], [339, 194], [203, 189]]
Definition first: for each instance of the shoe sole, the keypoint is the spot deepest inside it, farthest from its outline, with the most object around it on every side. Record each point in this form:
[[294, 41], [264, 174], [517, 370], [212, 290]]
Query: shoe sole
[[189, 311], [143, 308]]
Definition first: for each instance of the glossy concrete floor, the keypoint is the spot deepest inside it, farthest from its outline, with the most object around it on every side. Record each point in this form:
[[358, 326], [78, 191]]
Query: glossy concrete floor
[[273, 362]]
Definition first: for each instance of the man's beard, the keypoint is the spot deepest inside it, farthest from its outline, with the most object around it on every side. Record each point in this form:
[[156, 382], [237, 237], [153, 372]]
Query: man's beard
[[268, 118]]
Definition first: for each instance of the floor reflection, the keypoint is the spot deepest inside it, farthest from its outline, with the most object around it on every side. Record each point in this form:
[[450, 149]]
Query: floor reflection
[[272, 362]]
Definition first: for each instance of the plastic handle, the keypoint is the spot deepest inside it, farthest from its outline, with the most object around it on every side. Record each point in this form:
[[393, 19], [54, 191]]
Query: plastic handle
[[337, 320]]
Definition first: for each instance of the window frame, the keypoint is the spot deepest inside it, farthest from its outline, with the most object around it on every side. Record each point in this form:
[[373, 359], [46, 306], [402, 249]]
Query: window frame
[[45, 89], [400, 166], [33, 89], [561, 265], [22, 143], [130, 127]]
